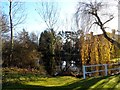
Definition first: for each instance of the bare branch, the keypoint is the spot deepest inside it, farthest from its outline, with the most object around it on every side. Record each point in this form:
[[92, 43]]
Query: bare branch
[[48, 12], [18, 13], [108, 20], [90, 11]]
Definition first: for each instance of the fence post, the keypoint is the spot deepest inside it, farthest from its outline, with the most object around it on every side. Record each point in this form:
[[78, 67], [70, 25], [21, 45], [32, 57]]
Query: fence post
[[84, 72], [106, 71]]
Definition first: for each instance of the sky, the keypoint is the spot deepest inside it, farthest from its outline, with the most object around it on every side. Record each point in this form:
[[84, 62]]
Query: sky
[[34, 23], [66, 11]]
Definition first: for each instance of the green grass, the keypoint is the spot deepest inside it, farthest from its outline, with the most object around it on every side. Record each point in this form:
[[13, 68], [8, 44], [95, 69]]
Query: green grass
[[31, 81]]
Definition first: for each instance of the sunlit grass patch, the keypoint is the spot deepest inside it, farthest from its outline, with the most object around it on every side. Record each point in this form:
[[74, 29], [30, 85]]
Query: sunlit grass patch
[[54, 81], [113, 81], [110, 82], [118, 85]]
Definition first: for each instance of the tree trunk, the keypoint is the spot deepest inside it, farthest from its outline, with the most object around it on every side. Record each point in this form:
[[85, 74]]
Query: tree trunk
[[11, 29]]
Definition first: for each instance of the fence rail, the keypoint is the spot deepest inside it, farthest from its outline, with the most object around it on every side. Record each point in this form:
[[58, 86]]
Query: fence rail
[[105, 70]]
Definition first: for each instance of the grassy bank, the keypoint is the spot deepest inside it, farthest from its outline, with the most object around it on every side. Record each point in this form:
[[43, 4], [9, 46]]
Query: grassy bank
[[36, 81]]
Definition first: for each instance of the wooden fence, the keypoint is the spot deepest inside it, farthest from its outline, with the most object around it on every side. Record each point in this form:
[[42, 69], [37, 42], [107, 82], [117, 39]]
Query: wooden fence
[[105, 68]]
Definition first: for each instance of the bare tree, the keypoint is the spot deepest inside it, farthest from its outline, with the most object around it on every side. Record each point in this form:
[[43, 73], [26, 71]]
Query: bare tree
[[48, 11], [16, 17], [91, 15]]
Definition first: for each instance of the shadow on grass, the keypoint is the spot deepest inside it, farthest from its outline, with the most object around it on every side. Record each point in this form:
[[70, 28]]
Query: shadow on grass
[[79, 85], [17, 86], [85, 84]]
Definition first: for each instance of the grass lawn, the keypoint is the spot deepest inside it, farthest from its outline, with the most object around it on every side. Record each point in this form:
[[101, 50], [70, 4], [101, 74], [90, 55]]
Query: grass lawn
[[29, 81]]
